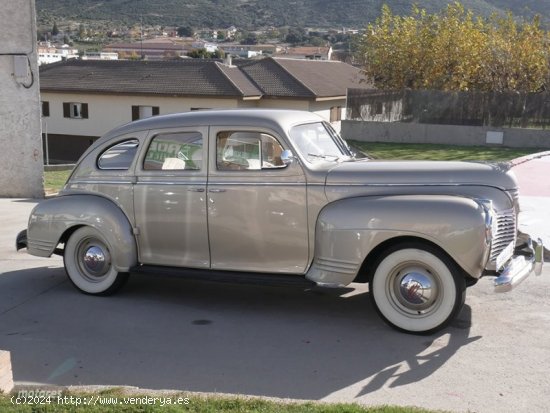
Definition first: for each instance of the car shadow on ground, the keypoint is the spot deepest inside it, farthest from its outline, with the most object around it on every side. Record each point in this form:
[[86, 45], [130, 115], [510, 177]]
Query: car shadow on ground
[[170, 333]]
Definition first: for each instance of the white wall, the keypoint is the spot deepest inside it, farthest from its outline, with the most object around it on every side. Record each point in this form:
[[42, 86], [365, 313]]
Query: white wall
[[109, 111], [21, 159], [410, 132], [106, 112]]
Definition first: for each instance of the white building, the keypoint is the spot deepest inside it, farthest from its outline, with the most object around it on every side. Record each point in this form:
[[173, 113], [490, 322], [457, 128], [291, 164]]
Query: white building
[[51, 54], [100, 56], [82, 100], [201, 44]]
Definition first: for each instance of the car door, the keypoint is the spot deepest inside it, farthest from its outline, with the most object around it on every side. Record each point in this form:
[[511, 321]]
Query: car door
[[257, 211], [170, 199]]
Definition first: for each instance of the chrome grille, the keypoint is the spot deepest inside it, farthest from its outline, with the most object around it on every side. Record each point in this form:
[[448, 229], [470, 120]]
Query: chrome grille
[[505, 234]]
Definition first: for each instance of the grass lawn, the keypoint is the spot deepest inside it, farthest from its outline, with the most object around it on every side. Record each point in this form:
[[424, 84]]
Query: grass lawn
[[424, 151], [116, 401], [54, 180]]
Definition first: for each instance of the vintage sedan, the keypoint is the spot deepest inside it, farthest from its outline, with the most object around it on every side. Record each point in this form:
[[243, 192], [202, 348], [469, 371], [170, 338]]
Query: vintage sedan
[[278, 196]]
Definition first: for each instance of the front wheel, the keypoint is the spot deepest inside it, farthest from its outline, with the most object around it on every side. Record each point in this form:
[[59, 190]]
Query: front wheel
[[88, 263], [417, 288]]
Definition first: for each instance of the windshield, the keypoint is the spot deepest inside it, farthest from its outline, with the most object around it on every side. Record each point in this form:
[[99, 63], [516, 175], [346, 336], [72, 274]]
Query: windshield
[[319, 141]]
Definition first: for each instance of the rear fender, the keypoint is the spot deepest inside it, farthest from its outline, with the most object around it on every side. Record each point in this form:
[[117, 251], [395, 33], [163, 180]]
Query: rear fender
[[54, 217]]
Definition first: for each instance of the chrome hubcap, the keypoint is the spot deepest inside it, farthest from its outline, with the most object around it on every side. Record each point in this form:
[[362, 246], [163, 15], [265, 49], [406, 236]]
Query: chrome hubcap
[[93, 259], [414, 290]]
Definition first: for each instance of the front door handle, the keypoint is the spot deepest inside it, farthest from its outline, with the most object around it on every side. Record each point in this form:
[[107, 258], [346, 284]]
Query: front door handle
[[216, 190], [196, 190]]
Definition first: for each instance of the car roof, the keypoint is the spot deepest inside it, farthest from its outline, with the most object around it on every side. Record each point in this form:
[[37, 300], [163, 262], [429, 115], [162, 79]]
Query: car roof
[[274, 118]]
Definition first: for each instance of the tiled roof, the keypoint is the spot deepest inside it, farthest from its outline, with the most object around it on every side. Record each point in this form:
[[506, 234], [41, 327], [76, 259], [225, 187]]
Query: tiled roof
[[162, 46], [239, 79], [324, 78], [299, 78], [175, 78], [273, 80], [304, 51], [271, 77]]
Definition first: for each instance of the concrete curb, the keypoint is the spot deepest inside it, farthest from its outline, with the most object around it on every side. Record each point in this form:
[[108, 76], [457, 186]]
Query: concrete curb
[[133, 391], [527, 158], [6, 375]]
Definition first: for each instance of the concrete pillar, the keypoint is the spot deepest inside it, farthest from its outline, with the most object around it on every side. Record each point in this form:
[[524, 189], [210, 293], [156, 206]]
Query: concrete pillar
[[21, 159], [6, 375]]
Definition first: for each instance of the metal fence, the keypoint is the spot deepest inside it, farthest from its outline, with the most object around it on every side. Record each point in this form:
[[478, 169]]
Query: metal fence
[[495, 109]]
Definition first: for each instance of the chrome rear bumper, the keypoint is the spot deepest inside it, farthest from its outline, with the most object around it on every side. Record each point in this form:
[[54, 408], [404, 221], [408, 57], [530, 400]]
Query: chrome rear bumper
[[526, 261]]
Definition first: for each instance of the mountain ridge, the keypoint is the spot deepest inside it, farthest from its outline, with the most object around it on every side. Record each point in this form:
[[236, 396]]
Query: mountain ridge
[[250, 14]]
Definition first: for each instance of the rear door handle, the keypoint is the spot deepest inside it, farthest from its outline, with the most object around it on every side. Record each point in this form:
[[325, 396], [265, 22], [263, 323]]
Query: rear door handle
[[195, 190], [216, 190]]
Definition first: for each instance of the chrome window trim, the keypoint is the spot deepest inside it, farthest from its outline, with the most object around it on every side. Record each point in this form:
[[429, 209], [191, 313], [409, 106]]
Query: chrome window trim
[[257, 183], [97, 182]]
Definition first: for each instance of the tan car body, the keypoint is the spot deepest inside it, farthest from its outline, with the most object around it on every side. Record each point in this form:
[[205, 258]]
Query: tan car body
[[326, 220]]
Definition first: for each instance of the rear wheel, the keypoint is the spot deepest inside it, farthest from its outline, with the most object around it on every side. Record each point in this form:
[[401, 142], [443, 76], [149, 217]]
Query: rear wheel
[[417, 288], [88, 263]]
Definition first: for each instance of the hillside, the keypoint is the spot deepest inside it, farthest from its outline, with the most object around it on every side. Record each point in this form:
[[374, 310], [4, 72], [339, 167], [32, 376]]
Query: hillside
[[256, 13]]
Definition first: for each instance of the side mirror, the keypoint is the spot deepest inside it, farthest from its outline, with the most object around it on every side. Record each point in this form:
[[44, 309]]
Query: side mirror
[[287, 157]]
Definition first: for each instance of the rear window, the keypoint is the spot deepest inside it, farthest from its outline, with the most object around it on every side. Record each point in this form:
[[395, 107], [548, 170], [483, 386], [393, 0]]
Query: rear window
[[174, 151], [119, 156]]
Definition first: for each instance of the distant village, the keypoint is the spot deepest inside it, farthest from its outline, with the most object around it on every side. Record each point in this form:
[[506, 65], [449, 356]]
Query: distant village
[[172, 43]]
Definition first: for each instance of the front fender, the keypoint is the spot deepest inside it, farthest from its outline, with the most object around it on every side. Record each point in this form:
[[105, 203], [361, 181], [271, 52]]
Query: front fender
[[51, 218], [348, 230]]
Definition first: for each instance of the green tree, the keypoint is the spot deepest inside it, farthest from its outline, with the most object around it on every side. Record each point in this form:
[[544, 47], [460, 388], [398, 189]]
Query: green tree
[[55, 30], [81, 31], [296, 35], [204, 54], [249, 38], [185, 31]]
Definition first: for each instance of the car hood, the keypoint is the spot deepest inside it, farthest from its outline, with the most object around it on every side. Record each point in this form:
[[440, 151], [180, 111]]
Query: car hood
[[371, 172]]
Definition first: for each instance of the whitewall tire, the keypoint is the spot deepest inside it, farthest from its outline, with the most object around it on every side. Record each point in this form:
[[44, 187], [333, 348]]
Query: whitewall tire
[[88, 263], [416, 288]]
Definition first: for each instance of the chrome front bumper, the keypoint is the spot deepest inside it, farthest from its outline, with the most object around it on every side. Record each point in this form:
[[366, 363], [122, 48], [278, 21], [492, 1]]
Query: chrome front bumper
[[526, 261]]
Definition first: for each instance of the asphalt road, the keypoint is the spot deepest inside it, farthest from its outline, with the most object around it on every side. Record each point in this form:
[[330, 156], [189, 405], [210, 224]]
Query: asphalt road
[[270, 341]]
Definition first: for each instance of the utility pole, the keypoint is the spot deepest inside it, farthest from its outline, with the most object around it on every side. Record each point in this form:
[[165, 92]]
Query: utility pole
[[141, 35]]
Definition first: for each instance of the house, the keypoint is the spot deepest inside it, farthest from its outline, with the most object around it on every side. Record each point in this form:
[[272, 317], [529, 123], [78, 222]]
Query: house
[[148, 50], [82, 100], [247, 51], [47, 53], [208, 46], [99, 56], [306, 52]]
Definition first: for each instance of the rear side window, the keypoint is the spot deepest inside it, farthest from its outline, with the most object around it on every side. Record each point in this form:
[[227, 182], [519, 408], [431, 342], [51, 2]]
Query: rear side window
[[174, 151], [119, 156]]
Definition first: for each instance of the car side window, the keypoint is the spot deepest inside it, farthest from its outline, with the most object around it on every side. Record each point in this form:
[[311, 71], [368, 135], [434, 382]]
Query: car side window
[[119, 156], [241, 151], [174, 151]]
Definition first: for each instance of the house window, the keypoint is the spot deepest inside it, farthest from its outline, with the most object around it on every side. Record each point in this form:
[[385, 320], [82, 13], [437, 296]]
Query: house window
[[45, 109], [174, 151], [75, 110], [143, 112], [335, 113]]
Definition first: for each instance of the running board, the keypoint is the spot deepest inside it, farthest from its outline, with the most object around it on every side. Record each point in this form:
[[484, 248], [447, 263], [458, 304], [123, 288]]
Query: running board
[[231, 277]]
